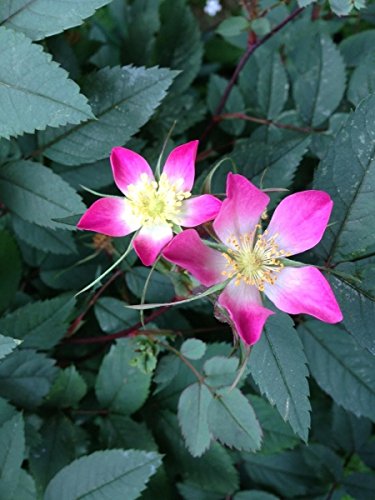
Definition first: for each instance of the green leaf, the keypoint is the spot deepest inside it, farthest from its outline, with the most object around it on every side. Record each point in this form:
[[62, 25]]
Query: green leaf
[[360, 485], [7, 345], [120, 386], [347, 173], [25, 487], [254, 495], [341, 7], [37, 195], [270, 156], [340, 367], [113, 316], [38, 18], [319, 85], [362, 81], [49, 240], [220, 371], [350, 433], [277, 434], [358, 310], [213, 471], [12, 450], [40, 324], [234, 104], [232, 26], [61, 442], [121, 430], [355, 48], [6, 411], [185, 53], [193, 349], [26, 377], [232, 421], [37, 92], [286, 472], [140, 24], [326, 464], [96, 175], [114, 93], [192, 416], [68, 388], [272, 86], [104, 474], [10, 268], [278, 366]]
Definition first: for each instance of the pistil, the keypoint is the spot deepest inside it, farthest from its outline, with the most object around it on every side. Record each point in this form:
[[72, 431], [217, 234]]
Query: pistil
[[155, 202], [254, 259]]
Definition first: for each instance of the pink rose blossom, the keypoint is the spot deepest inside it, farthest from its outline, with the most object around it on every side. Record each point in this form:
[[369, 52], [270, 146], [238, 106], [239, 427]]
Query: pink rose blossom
[[252, 262], [151, 206]]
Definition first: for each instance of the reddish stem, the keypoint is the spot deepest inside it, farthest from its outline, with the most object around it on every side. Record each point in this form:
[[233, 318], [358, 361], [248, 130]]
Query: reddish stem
[[265, 121], [123, 333], [251, 48], [73, 327]]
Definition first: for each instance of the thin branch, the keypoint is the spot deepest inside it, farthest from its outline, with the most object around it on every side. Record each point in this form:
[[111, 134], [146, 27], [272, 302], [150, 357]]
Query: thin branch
[[177, 353], [251, 48], [133, 330], [73, 327], [265, 121]]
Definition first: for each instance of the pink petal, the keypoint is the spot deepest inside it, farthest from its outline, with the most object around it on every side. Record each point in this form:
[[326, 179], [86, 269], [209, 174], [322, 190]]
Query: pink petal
[[199, 209], [150, 241], [127, 167], [304, 290], [244, 306], [241, 211], [180, 165], [300, 220], [188, 251], [110, 216]]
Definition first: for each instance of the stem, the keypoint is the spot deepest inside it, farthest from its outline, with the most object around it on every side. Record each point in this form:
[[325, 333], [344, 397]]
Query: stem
[[177, 353], [265, 121], [123, 333], [251, 48], [73, 327]]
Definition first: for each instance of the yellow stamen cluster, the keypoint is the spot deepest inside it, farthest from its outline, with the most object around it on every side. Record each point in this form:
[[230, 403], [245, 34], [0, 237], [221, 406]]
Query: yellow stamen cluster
[[255, 259], [153, 202]]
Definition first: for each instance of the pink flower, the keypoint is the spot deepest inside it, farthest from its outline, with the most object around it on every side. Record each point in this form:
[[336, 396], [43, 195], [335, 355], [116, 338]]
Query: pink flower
[[151, 206], [253, 262]]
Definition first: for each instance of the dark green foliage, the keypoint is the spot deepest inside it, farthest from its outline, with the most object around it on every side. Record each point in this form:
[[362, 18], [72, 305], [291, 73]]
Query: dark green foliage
[[102, 401]]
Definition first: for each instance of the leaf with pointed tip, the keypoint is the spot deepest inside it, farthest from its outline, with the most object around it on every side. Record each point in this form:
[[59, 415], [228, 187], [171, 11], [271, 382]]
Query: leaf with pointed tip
[[12, 449], [40, 324], [25, 377], [7, 345], [319, 86], [104, 474], [347, 173], [272, 86], [40, 18], [192, 416], [120, 386], [232, 420], [341, 368], [362, 81], [55, 241], [358, 309], [36, 93], [278, 366], [123, 99], [37, 195]]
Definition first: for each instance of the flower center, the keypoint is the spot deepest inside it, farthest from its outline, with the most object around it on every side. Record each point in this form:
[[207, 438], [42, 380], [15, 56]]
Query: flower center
[[156, 202], [255, 259]]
